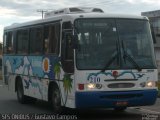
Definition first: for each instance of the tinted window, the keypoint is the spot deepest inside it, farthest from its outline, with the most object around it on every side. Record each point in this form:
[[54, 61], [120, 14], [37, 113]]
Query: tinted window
[[51, 38], [97, 43], [36, 40], [105, 42], [67, 25], [137, 41], [68, 47], [22, 41], [8, 43]]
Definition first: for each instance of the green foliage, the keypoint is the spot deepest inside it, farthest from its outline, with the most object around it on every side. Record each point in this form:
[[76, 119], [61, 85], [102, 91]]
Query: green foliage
[[57, 69], [67, 83]]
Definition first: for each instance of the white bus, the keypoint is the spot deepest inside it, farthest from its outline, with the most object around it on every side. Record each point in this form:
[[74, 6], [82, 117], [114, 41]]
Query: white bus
[[81, 58]]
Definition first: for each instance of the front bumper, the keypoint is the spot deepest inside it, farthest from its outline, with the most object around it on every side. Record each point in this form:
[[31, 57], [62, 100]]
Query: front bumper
[[107, 99]]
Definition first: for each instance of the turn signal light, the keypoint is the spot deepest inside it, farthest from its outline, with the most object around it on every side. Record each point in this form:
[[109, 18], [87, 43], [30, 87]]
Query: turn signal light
[[81, 86]]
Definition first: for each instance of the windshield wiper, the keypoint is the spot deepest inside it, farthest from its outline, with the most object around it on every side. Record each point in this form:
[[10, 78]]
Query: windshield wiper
[[109, 62], [111, 59], [130, 59]]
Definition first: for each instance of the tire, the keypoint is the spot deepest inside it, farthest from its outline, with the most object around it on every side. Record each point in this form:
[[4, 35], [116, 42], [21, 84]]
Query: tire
[[120, 109], [56, 100]]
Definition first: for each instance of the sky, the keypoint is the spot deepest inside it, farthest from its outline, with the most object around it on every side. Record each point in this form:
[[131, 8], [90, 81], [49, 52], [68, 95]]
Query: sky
[[19, 11]]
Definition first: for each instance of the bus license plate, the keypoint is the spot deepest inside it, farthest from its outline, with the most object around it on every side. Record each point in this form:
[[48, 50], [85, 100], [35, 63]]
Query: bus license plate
[[121, 103]]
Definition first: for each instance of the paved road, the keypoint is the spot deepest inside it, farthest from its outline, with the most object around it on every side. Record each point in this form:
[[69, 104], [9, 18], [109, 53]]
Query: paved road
[[10, 107]]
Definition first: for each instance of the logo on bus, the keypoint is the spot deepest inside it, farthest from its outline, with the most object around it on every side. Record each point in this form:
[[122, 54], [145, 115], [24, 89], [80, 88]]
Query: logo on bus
[[46, 65]]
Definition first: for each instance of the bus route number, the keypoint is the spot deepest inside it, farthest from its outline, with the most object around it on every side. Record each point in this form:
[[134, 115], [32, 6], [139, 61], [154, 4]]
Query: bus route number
[[94, 79]]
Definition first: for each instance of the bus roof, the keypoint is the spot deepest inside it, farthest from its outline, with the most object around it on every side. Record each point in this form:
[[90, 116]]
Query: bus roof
[[72, 17]]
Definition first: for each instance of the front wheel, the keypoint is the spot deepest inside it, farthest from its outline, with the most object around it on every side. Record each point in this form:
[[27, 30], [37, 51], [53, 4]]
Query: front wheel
[[120, 109], [56, 100]]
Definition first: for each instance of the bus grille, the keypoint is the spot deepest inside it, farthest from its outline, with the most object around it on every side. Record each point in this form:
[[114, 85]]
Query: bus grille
[[121, 85], [126, 96]]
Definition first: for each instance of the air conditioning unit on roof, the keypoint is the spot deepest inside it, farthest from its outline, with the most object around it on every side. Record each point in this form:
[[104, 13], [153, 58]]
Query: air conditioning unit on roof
[[72, 10]]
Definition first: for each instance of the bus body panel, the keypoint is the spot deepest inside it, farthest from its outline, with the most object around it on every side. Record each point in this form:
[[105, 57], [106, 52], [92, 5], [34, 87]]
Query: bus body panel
[[133, 77], [126, 87], [37, 72]]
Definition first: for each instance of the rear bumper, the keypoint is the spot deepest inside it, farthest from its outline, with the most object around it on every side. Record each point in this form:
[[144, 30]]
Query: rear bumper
[[106, 99]]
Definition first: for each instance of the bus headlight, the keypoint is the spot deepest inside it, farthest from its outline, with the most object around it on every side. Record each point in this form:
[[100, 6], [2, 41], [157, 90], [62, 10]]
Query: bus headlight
[[150, 84], [91, 86], [94, 86]]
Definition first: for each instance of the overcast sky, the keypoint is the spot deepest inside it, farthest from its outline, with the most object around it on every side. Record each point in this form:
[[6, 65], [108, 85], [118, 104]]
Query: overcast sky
[[17, 11]]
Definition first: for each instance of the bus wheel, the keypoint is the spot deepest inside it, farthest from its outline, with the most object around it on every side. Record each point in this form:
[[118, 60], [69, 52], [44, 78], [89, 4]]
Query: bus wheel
[[120, 109], [56, 100], [20, 92]]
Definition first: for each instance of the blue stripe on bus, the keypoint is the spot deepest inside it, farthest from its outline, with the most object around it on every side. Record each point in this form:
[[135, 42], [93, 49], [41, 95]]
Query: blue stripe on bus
[[106, 99]]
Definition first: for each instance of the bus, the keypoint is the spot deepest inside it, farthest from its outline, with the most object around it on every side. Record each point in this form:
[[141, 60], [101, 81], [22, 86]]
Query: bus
[[81, 58]]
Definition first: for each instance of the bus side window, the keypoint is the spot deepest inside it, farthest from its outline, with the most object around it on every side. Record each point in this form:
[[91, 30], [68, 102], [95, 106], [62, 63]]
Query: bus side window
[[36, 40], [22, 41], [8, 43], [51, 38], [5, 43], [46, 39]]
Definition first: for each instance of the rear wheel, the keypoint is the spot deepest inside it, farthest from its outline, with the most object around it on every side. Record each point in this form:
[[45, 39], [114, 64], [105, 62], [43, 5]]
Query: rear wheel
[[56, 100]]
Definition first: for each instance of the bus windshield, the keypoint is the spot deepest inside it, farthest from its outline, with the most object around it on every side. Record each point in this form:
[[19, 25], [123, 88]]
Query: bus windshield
[[101, 40]]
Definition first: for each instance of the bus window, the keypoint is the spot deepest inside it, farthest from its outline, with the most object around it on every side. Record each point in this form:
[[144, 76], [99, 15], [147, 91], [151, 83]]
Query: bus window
[[68, 48], [8, 43], [46, 39], [67, 25], [36, 40], [51, 38], [67, 53], [22, 41], [5, 43]]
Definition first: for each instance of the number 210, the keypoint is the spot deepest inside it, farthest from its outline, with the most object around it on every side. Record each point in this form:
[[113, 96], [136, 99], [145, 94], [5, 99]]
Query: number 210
[[94, 79]]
